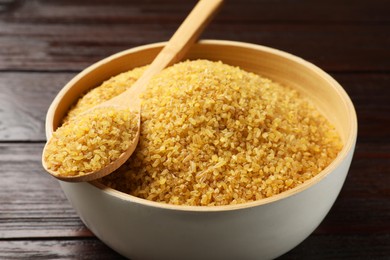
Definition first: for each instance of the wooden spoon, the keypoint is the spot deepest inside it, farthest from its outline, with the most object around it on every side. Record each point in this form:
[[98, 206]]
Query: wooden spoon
[[174, 50]]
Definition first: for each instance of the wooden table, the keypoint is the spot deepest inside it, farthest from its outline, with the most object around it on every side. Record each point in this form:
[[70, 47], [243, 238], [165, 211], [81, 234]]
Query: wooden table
[[43, 44]]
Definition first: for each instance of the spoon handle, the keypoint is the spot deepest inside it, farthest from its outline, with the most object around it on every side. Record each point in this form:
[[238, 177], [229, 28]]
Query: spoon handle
[[181, 41]]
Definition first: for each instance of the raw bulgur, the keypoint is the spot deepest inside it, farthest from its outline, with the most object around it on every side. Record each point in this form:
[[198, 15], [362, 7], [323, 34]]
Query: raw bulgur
[[213, 134], [91, 141]]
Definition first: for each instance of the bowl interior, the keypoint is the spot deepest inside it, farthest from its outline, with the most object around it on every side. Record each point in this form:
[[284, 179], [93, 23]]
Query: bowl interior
[[324, 92]]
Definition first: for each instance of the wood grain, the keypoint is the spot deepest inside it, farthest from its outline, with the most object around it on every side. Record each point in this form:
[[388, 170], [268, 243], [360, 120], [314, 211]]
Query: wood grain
[[336, 35], [25, 98], [57, 249], [64, 47], [31, 202], [318, 247]]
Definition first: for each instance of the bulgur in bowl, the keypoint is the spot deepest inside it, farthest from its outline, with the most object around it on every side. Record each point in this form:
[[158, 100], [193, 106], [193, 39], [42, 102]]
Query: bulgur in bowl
[[153, 222]]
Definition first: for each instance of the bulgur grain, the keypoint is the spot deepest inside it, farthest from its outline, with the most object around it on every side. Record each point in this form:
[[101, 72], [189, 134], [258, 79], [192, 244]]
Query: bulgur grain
[[213, 134], [91, 141]]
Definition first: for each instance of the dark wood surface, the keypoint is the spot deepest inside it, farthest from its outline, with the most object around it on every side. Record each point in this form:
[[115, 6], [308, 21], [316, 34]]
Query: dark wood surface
[[43, 44]]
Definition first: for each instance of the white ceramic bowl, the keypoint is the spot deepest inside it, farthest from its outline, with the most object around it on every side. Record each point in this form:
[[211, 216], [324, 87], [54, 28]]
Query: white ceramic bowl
[[141, 229]]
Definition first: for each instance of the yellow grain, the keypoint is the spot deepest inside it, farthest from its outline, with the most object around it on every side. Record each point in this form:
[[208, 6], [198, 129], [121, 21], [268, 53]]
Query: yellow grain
[[91, 141], [214, 134]]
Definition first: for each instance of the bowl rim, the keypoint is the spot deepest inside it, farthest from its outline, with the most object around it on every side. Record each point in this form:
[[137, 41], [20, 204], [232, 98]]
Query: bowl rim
[[348, 144]]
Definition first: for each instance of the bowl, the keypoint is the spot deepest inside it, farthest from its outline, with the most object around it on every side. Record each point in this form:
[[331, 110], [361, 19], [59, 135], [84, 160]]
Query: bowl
[[264, 229]]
